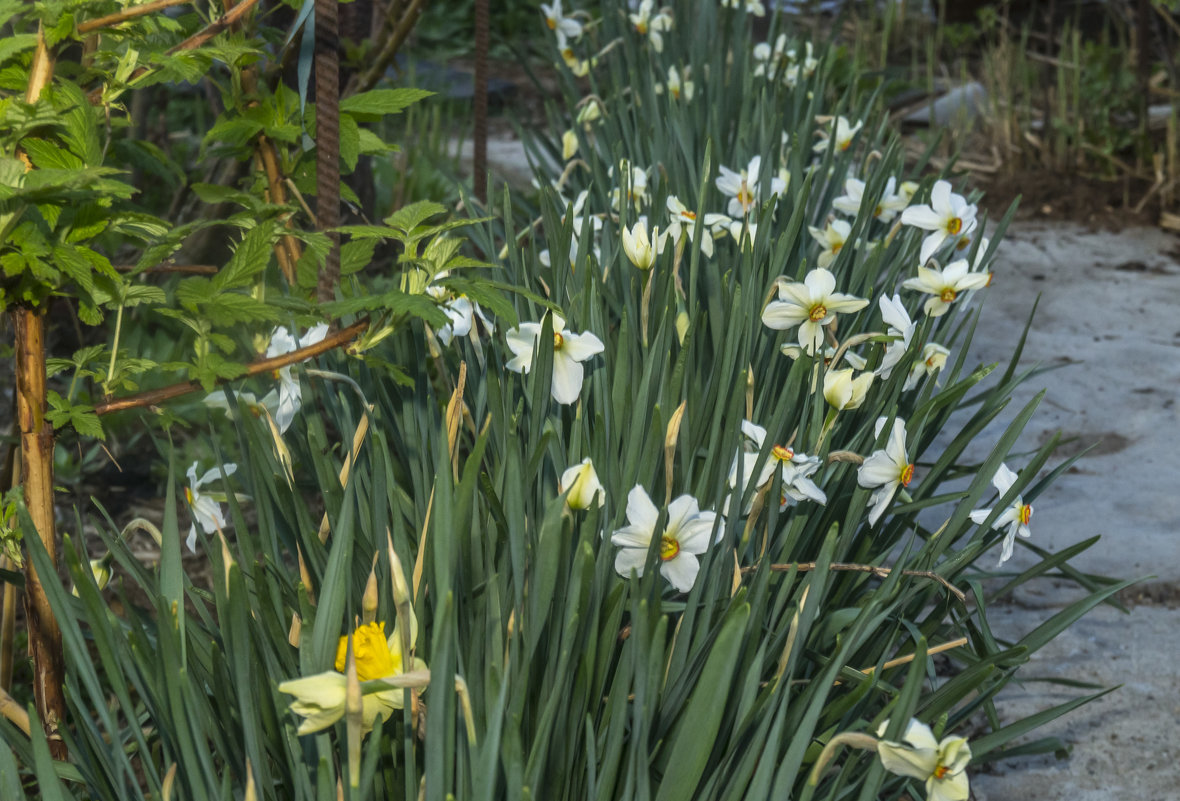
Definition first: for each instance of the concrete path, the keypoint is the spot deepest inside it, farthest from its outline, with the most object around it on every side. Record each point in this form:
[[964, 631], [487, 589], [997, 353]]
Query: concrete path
[[1109, 314]]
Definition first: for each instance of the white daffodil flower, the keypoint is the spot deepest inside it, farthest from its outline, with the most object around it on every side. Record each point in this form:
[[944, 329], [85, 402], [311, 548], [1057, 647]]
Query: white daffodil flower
[[854, 360], [205, 511], [1015, 516], [569, 350], [676, 87], [841, 139], [945, 285], [639, 249], [770, 62], [810, 305], [290, 393], [886, 207], [947, 215], [754, 7], [795, 470], [844, 391], [651, 24], [833, 237], [895, 316], [557, 21], [686, 535], [942, 765], [581, 481], [934, 358], [683, 222], [742, 187], [886, 469]]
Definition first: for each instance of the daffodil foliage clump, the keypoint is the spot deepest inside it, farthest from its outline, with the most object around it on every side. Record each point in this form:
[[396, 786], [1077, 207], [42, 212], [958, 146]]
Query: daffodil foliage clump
[[689, 514]]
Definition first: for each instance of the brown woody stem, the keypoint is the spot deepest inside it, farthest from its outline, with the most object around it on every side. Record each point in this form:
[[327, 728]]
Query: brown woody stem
[[36, 445], [154, 396], [126, 14]]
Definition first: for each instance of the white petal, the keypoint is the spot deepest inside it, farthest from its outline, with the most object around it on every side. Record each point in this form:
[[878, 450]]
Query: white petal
[[1004, 479], [922, 217], [940, 197], [979, 516], [567, 379], [314, 334], [681, 571], [630, 559], [640, 510], [821, 283], [696, 534], [581, 347], [679, 511]]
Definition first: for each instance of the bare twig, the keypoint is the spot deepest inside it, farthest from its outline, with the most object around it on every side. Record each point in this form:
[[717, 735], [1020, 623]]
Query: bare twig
[[369, 78], [154, 396]]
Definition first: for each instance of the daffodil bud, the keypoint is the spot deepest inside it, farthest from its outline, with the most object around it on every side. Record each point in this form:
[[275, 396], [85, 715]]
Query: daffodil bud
[[581, 482], [369, 599], [569, 145], [590, 111], [843, 392], [638, 247]]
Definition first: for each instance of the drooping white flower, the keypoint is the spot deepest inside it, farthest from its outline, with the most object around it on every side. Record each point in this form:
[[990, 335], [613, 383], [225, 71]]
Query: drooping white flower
[[569, 350], [583, 486], [947, 215], [895, 316], [885, 209], [651, 23], [676, 87], [933, 359], [687, 534], [795, 469], [942, 765], [461, 312], [945, 285], [841, 140], [290, 393], [845, 391], [771, 62], [632, 185], [219, 399], [810, 305], [1016, 516], [557, 21], [833, 237], [639, 249], [742, 187], [886, 469], [205, 511]]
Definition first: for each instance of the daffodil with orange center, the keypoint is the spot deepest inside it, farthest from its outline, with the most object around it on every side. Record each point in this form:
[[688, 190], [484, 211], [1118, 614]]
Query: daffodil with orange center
[[811, 305], [1016, 516], [886, 469], [686, 535], [942, 765]]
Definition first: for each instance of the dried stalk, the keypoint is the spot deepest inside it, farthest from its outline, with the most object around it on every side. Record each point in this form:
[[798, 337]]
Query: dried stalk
[[154, 396], [876, 570]]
